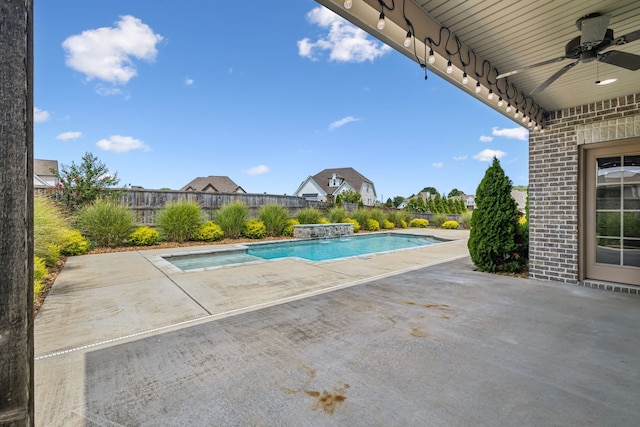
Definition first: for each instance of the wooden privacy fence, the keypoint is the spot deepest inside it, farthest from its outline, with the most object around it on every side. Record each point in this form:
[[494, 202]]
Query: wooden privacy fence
[[145, 203]]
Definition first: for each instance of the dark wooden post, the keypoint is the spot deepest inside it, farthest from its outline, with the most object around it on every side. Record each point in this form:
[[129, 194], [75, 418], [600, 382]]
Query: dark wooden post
[[16, 212]]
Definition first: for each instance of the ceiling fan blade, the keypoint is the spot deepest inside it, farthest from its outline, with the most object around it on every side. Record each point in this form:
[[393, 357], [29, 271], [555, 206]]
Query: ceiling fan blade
[[627, 38], [626, 60], [554, 77], [593, 30], [539, 64]]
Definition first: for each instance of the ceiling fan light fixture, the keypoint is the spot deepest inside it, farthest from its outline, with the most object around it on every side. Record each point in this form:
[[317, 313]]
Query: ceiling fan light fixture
[[606, 81]]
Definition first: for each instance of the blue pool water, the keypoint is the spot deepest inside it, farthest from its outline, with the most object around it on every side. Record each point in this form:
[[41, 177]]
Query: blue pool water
[[312, 250]]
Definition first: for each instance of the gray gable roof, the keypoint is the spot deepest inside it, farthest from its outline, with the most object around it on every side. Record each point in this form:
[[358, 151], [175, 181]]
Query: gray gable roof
[[350, 175], [43, 167], [213, 184]]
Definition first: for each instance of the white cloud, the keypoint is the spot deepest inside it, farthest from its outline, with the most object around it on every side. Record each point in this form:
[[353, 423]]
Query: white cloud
[[189, 81], [460, 158], [121, 144], [488, 155], [256, 170], [342, 122], [438, 165], [106, 53], [66, 136], [345, 42], [103, 90], [513, 133], [40, 115], [485, 138]]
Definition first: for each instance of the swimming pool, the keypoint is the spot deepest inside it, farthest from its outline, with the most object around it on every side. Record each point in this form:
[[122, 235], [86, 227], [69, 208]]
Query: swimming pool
[[312, 250]]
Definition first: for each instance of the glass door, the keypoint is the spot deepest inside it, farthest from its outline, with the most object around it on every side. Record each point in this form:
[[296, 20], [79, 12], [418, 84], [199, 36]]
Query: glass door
[[612, 235]]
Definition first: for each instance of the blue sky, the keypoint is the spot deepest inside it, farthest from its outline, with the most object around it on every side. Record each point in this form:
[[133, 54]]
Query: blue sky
[[265, 93]]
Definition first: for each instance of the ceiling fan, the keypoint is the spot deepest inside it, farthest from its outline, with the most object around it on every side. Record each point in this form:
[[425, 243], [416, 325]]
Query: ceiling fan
[[587, 47]]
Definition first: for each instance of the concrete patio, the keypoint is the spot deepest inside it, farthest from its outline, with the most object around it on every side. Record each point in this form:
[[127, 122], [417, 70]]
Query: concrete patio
[[415, 337]]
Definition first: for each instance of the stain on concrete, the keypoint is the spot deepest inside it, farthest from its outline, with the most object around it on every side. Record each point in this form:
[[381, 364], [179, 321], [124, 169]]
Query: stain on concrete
[[418, 333], [328, 401]]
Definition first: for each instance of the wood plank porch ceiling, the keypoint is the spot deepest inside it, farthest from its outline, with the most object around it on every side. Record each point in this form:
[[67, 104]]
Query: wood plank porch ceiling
[[511, 34]]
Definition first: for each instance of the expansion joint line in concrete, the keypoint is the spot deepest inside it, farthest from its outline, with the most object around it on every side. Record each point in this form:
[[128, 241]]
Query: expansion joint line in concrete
[[178, 286], [251, 307]]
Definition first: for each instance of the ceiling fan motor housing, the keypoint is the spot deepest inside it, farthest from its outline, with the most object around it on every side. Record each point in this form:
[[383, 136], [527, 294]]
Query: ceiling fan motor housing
[[575, 50]]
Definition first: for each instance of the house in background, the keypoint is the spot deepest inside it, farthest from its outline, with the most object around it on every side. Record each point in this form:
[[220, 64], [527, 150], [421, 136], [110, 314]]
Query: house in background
[[44, 173], [213, 184], [521, 199], [331, 182]]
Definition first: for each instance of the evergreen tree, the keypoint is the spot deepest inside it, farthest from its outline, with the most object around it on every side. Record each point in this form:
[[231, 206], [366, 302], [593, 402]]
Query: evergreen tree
[[430, 206], [397, 201], [492, 240], [461, 207], [451, 209], [431, 190], [455, 193]]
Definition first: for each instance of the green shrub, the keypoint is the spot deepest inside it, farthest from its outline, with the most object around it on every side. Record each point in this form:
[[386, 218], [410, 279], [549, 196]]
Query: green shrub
[[309, 216], [405, 216], [337, 214], [144, 236], [373, 225], [439, 219], [522, 242], [288, 229], [231, 218], [178, 220], [419, 223], [379, 215], [254, 229], [274, 218], [362, 216], [51, 255], [388, 225], [396, 217], [450, 225], [105, 222], [49, 229], [74, 243], [465, 219], [403, 223], [492, 239], [208, 232], [40, 271], [356, 224]]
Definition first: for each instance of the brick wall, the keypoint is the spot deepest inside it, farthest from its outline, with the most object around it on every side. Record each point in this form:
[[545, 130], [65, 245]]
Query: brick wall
[[553, 180]]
